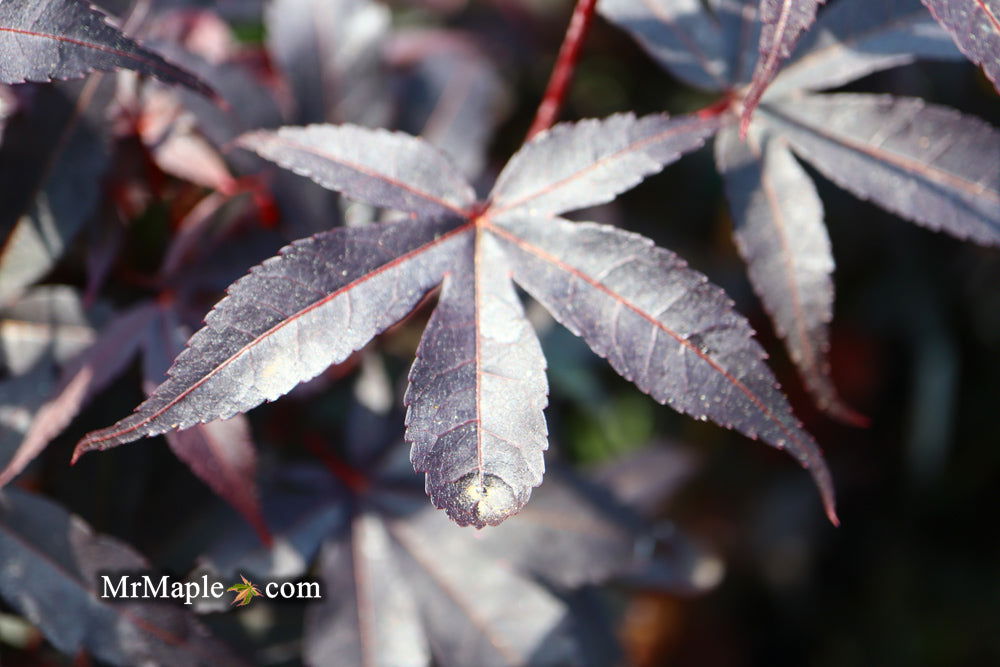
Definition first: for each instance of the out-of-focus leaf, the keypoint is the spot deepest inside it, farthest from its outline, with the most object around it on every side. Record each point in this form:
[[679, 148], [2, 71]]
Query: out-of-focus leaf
[[177, 148], [329, 52], [51, 571], [47, 321], [220, 453], [275, 329], [467, 609], [51, 163], [303, 506], [478, 364], [20, 399], [739, 32], [779, 230], [373, 619], [575, 165], [926, 163], [975, 27], [83, 378], [782, 23], [454, 95], [7, 106], [854, 38], [710, 44], [383, 554], [680, 34], [647, 478], [249, 102], [661, 325], [191, 234], [42, 40], [573, 533], [104, 240]]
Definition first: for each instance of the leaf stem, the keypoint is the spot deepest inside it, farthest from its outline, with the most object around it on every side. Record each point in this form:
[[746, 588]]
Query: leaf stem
[[351, 477], [562, 72]]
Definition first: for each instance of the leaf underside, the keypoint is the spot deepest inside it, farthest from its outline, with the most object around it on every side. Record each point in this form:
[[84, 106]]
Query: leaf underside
[[52, 160], [220, 453], [43, 40]]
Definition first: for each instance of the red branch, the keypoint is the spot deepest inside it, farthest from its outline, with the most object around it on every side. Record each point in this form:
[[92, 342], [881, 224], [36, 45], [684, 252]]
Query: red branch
[[562, 73]]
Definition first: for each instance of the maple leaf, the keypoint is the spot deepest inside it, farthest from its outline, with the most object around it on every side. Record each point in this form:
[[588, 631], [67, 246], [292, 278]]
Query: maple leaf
[[43, 329], [53, 157], [477, 388], [928, 164], [975, 27], [245, 592], [783, 22], [53, 572], [42, 40], [220, 453], [407, 586]]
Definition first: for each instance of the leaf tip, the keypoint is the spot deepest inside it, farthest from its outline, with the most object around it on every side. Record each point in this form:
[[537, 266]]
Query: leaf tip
[[848, 415], [480, 500], [80, 450], [831, 514]]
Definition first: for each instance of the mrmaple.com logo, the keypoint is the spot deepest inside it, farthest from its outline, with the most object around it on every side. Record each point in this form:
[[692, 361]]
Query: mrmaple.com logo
[[164, 587]]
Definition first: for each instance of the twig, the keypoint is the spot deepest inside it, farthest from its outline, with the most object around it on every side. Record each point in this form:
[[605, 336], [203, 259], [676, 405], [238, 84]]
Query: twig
[[562, 73]]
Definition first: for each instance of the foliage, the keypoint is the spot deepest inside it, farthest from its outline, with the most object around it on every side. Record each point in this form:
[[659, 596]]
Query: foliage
[[346, 157]]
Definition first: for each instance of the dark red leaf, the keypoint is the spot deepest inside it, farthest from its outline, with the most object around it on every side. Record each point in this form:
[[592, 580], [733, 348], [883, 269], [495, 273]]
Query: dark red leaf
[[926, 163], [52, 567], [220, 453], [779, 230], [661, 325], [289, 319], [86, 376], [576, 165], [42, 40], [477, 389], [783, 21], [477, 394], [975, 26]]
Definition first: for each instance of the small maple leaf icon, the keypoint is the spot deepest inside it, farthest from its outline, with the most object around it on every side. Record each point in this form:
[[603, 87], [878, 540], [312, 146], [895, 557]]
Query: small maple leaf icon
[[245, 592]]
